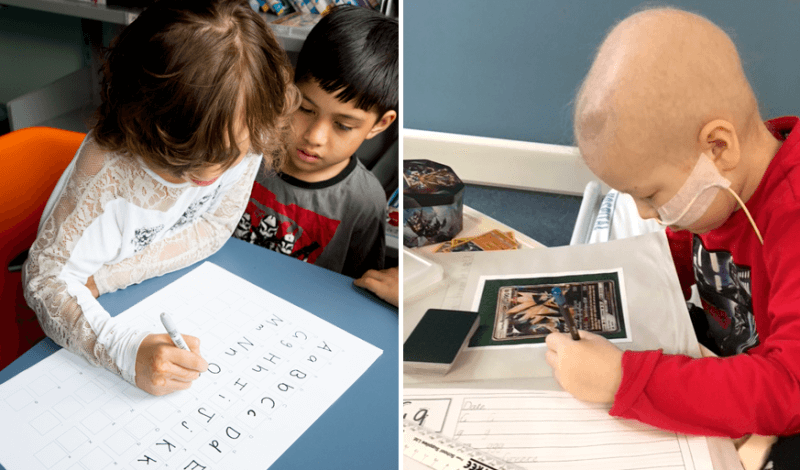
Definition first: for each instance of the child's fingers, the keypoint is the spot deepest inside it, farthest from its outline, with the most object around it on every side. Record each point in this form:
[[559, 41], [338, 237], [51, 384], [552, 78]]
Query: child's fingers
[[170, 371], [555, 341], [189, 360], [182, 374], [92, 287], [379, 277], [167, 377], [367, 282], [372, 274], [162, 367], [164, 350], [586, 334], [384, 274], [373, 284], [384, 285], [176, 385], [193, 342], [372, 280], [164, 386]]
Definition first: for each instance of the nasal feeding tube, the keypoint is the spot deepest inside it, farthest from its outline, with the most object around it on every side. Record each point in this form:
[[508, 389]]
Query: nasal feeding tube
[[704, 176]]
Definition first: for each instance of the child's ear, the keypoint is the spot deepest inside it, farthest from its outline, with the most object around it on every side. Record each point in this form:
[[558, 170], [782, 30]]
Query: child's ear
[[382, 124], [719, 141]]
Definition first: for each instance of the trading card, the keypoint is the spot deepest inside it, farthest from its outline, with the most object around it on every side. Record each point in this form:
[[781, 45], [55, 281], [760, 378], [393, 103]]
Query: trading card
[[445, 247], [458, 241], [448, 246], [529, 311], [489, 241], [494, 240], [468, 246]]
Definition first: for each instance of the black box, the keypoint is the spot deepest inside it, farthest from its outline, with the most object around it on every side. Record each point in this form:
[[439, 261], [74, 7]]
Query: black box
[[433, 203]]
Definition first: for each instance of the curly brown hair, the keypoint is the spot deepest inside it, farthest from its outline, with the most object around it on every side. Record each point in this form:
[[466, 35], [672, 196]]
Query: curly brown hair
[[179, 80]]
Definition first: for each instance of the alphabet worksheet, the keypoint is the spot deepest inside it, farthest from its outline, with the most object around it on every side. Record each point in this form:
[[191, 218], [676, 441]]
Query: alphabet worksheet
[[274, 369]]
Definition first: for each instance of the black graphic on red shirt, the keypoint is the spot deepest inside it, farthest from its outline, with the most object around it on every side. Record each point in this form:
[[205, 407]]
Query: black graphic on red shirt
[[725, 292], [285, 228]]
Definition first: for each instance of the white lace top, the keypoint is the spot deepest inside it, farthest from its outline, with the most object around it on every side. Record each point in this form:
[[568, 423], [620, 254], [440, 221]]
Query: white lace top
[[112, 217]]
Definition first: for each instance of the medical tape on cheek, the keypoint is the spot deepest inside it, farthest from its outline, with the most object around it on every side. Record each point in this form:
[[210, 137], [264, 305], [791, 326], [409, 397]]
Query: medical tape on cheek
[[695, 196]]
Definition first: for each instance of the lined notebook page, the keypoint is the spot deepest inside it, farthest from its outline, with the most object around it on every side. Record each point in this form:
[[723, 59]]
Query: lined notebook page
[[545, 430]]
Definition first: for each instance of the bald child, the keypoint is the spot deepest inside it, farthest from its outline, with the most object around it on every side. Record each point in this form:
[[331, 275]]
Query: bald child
[[667, 115]]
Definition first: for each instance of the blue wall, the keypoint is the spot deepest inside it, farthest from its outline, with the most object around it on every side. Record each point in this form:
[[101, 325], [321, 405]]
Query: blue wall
[[510, 68]]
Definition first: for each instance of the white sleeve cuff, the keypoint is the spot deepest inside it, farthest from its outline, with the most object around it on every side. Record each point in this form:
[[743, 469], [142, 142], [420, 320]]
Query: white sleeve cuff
[[126, 361]]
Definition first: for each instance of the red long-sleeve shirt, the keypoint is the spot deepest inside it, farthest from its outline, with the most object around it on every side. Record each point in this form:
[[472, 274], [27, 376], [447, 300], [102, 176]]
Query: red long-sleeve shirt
[[751, 296]]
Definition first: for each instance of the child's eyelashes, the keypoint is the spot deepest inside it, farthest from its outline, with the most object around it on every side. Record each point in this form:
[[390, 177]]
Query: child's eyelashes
[[338, 125], [649, 199]]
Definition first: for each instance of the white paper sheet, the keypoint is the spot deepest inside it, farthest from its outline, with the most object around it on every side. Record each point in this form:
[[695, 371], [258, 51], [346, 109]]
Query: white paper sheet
[[275, 368], [546, 430], [654, 301]]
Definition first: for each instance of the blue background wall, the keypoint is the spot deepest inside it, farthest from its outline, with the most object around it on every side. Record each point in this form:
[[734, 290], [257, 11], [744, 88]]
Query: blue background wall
[[510, 68]]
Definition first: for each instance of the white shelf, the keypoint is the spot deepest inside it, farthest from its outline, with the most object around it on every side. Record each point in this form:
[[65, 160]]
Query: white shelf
[[56, 99], [125, 16], [75, 120], [66, 108], [291, 38], [80, 9]]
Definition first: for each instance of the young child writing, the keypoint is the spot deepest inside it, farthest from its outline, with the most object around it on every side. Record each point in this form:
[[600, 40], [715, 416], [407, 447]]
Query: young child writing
[[667, 115], [194, 93], [325, 207]]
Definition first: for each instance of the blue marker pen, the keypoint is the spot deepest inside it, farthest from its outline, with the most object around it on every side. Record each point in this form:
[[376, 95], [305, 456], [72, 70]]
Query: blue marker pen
[[562, 308]]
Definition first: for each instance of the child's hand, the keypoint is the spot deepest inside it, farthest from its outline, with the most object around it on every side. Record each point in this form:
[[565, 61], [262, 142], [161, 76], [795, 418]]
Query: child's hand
[[162, 367], [589, 369], [92, 287], [382, 283]]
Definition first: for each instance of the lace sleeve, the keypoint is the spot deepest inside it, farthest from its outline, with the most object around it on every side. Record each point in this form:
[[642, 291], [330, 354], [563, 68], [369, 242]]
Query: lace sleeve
[[195, 242], [73, 242]]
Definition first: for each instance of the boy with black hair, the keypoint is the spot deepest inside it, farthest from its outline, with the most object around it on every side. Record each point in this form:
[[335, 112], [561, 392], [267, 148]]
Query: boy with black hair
[[325, 207]]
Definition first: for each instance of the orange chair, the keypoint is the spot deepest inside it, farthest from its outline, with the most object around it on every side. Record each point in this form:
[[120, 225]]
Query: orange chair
[[31, 161]]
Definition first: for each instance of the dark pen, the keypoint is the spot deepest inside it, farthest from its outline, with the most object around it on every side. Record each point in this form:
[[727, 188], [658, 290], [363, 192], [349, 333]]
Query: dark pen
[[565, 313]]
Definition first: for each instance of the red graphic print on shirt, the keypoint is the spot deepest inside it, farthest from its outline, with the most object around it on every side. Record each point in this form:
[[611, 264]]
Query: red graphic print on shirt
[[285, 228]]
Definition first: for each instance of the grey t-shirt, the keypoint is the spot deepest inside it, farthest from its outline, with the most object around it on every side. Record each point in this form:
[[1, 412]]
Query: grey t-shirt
[[338, 224]]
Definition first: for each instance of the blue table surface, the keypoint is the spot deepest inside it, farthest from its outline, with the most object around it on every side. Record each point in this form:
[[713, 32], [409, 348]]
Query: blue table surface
[[361, 429]]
